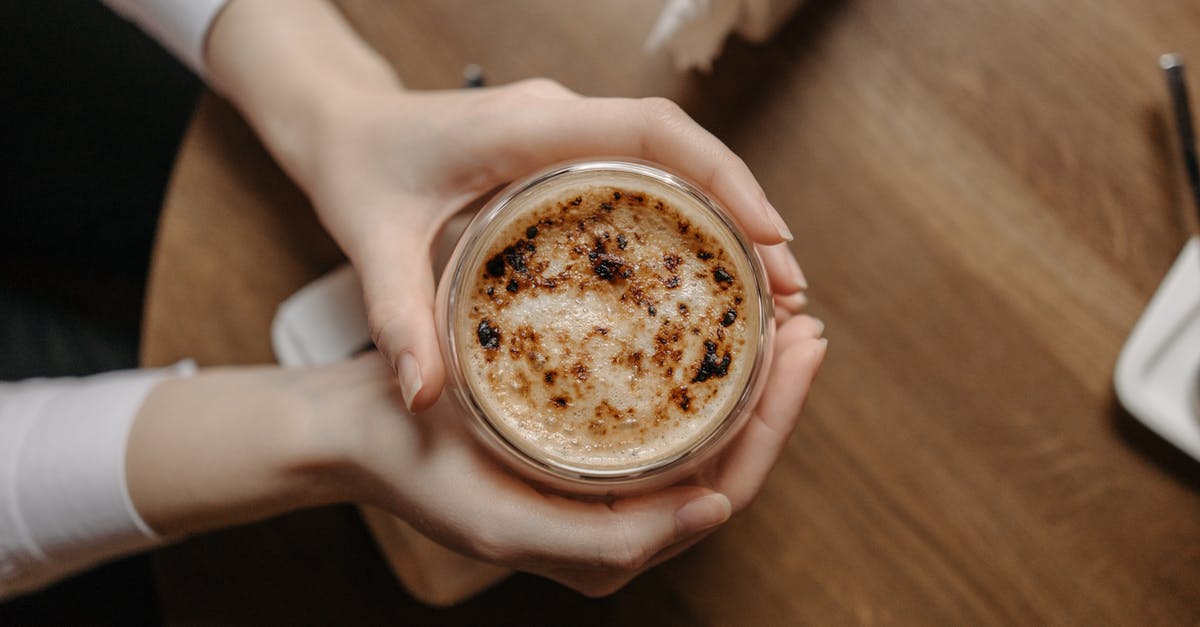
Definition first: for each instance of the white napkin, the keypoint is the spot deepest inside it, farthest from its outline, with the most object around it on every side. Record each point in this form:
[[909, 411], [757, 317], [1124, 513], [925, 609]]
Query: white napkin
[[694, 31], [324, 322], [1158, 373]]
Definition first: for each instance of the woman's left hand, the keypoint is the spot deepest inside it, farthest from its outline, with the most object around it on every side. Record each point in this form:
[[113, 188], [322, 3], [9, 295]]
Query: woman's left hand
[[395, 165]]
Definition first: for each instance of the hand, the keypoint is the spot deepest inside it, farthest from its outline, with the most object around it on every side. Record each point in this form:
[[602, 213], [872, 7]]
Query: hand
[[393, 166], [429, 471], [230, 446], [385, 167]]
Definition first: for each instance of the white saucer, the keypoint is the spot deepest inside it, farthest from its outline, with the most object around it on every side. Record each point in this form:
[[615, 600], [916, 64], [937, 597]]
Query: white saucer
[[324, 322], [1158, 373]]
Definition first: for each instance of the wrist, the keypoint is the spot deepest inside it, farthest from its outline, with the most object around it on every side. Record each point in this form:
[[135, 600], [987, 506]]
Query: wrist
[[353, 439], [291, 67], [227, 447], [319, 461], [360, 444]]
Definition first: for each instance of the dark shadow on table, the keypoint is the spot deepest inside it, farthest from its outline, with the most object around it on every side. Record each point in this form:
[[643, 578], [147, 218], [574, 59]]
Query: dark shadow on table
[[249, 576], [1160, 131], [746, 75], [1172, 191], [1164, 455]]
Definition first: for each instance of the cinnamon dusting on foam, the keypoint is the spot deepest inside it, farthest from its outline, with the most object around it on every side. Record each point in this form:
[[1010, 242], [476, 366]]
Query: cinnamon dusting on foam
[[607, 328]]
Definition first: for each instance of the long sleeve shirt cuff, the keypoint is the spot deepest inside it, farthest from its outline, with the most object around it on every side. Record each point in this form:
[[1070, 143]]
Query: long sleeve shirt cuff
[[64, 501], [181, 26]]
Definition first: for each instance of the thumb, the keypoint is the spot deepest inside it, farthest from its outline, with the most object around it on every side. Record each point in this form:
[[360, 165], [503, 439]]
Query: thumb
[[398, 287]]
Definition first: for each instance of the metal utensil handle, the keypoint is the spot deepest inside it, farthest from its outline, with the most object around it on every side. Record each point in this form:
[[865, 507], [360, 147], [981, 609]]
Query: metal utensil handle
[[1172, 64]]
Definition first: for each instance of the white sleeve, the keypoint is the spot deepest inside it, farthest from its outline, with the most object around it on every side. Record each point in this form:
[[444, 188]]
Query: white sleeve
[[179, 25], [64, 503]]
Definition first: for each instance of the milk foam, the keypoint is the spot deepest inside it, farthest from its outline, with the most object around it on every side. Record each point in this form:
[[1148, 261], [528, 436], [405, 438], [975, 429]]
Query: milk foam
[[607, 326]]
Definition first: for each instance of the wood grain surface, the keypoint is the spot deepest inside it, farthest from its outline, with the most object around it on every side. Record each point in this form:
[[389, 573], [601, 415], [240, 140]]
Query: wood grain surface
[[984, 197]]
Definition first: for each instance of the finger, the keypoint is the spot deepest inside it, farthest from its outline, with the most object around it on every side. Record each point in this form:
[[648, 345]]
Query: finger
[[783, 271], [655, 129], [802, 362], [790, 305], [398, 289], [619, 537], [746, 465], [670, 136], [802, 327], [544, 88], [679, 547], [591, 583]]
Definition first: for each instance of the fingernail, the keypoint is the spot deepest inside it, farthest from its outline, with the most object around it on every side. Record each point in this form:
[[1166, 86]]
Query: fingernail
[[797, 273], [410, 378], [703, 513], [820, 326], [777, 220]]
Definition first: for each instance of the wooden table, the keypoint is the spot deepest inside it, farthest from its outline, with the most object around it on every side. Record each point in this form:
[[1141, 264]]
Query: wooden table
[[984, 196]]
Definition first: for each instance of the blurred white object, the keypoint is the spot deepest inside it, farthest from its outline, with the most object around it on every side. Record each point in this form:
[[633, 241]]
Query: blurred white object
[[324, 322], [694, 31], [1158, 373]]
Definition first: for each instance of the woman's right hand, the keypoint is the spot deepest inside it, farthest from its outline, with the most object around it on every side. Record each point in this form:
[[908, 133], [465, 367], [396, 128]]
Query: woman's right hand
[[428, 470], [385, 167], [392, 166]]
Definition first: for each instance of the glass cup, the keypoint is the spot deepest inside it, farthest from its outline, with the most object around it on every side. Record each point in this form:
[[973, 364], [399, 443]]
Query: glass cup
[[540, 441]]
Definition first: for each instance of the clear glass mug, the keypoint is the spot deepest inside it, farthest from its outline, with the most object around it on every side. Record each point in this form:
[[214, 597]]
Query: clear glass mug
[[539, 464]]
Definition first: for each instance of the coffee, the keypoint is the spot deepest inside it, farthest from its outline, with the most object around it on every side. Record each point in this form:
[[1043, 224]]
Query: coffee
[[608, 322]]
